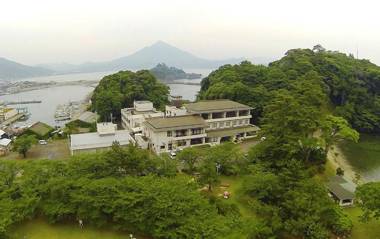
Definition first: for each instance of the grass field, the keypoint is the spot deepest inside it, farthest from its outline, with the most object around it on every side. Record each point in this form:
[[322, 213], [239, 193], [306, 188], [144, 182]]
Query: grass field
[[370, 230], [364, 156], [39, 229]]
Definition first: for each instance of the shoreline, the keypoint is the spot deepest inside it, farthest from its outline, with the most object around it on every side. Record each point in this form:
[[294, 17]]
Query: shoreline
[[338, 160]]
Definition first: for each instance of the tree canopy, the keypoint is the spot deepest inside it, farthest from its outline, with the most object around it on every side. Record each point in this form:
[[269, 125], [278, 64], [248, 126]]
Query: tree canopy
[[119, 90], [350, 86]]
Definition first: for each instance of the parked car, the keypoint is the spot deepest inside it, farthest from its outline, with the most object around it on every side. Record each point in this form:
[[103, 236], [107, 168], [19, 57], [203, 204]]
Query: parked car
[[42, 142], [172, 154]]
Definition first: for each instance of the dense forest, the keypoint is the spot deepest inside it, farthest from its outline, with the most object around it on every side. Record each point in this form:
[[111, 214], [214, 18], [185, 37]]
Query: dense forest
[[119, 90], [166, 73], [351, 86]]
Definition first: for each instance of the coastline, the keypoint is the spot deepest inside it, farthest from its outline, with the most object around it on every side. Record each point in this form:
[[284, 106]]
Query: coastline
[[338, 160]]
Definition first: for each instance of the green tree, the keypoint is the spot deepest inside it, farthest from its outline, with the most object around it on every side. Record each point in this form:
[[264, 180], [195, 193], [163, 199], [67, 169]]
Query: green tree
[[190, 157], [335, 129], [368, 198], [208, 173], [23, 144]]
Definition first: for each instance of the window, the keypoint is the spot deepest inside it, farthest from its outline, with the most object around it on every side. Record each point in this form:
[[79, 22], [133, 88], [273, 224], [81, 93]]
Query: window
[[169, 133], [213, 125], [162, 146], [240, 122], [221, 124], [234, 122], [228, 123]]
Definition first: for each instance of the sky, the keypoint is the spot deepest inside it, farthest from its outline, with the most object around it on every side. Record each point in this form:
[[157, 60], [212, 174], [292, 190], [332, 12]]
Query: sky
[[77, 31]]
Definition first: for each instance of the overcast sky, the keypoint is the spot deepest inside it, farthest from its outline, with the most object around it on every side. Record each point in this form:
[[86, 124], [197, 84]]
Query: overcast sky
[[75, 31]]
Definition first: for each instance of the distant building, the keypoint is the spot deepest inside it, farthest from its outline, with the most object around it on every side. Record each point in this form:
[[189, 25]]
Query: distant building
[[341, 190], [132, 118], [7, 113], [101, 140]]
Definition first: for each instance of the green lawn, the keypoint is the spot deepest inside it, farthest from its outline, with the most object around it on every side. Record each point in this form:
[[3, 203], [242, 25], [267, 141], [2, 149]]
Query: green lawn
[[39, 228], [370, 230], [364, 156]]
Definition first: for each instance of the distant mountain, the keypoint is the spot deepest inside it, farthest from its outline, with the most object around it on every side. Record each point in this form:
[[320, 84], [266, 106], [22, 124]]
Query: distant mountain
[[150, 56], [10, 70], [166, 73]]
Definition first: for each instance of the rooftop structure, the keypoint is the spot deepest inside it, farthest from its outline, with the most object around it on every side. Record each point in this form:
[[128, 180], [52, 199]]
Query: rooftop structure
[[132, 118], [182, 122], [342, 190], [208, 106], [106, 128]]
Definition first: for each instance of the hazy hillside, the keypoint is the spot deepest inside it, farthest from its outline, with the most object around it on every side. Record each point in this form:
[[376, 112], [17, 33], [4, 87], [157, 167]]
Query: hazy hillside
[[147, 58], [10, 70]]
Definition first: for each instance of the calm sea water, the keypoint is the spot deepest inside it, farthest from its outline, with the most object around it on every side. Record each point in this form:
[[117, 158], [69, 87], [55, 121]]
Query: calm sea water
[[52, 97]]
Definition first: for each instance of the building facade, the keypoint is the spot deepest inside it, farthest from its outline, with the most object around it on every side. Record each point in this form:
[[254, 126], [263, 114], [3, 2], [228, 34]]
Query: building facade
[[226, 120], [132, 118], [171, 133], [101, 140], [205, 122]]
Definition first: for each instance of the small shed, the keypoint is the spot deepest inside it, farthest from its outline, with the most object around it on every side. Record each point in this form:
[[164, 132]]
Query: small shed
[[40, 130], [342, 190], [5, 146]]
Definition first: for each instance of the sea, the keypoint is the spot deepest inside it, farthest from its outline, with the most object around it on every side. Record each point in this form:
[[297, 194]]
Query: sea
[[52, 97]]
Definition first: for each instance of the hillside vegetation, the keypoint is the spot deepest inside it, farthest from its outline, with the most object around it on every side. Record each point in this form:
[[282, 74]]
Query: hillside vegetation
[[351, 86], [119, 90]]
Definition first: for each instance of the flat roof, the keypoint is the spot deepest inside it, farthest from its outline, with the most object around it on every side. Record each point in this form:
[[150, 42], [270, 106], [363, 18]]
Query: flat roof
[[94, 140], [232, 131], [5, 142], [185, 121], [341, 188], [215, 106]]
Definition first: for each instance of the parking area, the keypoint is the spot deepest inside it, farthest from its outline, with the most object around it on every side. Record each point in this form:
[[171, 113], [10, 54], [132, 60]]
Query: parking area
[[54, 149]]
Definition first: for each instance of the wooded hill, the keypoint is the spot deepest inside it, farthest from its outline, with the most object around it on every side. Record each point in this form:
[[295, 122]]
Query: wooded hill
[[351, 86]]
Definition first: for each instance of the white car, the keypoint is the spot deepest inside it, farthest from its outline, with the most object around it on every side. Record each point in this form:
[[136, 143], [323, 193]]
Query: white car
[[172, 154], [42, 142]]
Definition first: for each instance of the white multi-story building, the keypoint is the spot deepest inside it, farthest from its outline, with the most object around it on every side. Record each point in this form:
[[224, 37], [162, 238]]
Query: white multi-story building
[[166, 134], [204, 122], [132, 118]]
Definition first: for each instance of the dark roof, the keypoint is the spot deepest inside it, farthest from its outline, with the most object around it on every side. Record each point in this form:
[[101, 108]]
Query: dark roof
[[40, 128], [215, 106], [180, 122], [341, 188]]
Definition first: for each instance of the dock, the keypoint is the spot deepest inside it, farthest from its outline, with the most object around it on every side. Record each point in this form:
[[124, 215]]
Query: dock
[[12, 120], [21, 102]]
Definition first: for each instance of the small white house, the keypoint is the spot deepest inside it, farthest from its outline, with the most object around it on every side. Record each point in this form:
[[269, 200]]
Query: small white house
[[5, 145]]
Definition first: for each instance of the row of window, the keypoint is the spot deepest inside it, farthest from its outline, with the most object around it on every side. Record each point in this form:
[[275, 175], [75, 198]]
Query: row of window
[[227, 124]]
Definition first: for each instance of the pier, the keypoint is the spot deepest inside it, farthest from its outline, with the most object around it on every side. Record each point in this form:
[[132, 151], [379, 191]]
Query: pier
[[21, 102]]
